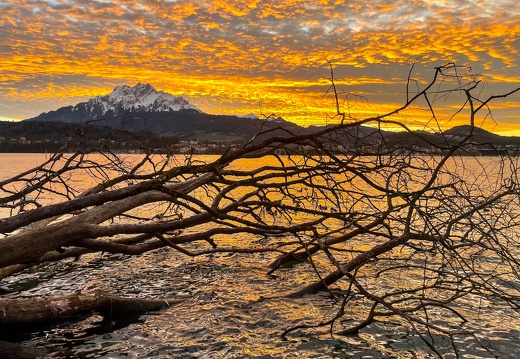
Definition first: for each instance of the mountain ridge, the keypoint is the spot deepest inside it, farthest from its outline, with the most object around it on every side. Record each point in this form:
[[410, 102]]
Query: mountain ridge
[[141, 108], [120, 102]]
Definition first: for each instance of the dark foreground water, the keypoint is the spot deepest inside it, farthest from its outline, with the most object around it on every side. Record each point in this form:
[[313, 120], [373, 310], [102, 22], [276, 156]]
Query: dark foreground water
[[223, 316]]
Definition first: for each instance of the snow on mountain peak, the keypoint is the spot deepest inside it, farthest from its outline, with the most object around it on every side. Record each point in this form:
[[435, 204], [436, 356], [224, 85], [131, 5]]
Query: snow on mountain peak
[[141, 97], [251, 116]]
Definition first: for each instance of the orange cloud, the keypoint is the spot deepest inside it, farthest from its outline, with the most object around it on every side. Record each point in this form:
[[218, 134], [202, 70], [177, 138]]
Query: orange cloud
[[251, 56]]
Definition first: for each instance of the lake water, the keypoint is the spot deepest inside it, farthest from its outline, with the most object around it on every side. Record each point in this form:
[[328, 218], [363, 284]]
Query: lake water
[[224, 314]]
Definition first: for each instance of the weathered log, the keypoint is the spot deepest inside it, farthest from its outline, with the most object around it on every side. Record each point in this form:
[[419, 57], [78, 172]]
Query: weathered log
[[37, 310], [19, 351], [9, 270]]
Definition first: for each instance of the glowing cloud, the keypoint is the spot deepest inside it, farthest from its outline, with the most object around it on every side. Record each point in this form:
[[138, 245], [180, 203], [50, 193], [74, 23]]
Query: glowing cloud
[[251, 56]]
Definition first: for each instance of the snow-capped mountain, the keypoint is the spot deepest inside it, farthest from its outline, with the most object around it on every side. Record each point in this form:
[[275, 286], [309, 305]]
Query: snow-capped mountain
[[142, 108], [140, 98], [123, 100]]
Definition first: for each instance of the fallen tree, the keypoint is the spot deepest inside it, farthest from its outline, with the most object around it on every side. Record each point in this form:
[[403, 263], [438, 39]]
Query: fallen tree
[[345, 200], [41, 310]]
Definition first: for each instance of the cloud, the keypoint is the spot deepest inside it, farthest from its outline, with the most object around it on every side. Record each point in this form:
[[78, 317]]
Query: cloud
[[240, 53]]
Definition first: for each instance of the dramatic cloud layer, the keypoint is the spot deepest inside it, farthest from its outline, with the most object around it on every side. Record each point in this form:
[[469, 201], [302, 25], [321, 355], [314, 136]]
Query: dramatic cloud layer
[[251, 56]]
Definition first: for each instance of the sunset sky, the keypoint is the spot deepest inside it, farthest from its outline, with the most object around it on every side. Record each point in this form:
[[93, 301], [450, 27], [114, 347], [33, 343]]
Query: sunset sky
[[240, 57]]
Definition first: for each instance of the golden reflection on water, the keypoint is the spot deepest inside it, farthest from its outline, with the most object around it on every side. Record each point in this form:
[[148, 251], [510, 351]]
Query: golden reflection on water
[[225, 313]]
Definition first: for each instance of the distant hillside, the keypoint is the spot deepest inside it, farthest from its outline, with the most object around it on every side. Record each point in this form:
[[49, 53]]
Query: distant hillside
[[481, 136], [27, 136], [193, 125], [142, 116], [164, 130]]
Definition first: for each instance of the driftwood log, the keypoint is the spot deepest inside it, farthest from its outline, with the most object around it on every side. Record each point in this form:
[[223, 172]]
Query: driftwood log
[[41, 310], [37, 310]]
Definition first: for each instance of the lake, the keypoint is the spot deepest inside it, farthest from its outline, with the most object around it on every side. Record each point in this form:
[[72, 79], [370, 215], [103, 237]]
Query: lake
[[225, 314]]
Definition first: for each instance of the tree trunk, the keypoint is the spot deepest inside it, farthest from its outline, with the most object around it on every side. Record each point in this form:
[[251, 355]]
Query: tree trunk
[[35, 310]]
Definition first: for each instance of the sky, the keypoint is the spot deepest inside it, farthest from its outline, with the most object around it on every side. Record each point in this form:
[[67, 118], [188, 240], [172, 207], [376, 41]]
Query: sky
[[260, 56]]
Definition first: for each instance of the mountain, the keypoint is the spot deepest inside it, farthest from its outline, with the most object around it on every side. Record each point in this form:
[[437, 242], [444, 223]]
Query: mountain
[[142, 108], [122, 101], [141, 98]]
